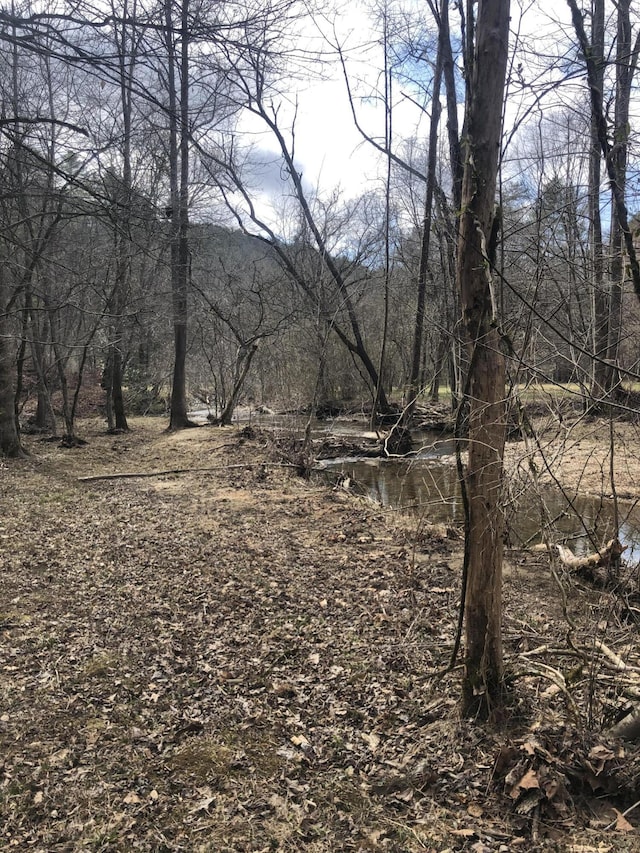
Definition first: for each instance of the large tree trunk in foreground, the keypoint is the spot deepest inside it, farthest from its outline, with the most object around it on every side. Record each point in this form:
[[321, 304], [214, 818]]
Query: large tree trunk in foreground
[[9, 438], [483, 678]]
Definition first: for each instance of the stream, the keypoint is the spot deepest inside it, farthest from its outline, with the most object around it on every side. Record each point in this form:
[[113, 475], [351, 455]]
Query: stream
[[428, 484]]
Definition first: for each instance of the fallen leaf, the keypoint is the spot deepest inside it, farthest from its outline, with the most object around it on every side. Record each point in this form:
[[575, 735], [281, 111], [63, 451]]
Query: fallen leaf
[[295, 787], [529, 780], [202, 805], [58, 758], [288, 753], [405, 796], [131, 798], [599, 756], [517, 781], [589, 848], [622, 824], [371, 739], [475, 810], [374, 837]]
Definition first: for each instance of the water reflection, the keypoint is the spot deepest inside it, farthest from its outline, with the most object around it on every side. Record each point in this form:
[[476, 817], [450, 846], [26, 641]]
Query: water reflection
[[429, 485]]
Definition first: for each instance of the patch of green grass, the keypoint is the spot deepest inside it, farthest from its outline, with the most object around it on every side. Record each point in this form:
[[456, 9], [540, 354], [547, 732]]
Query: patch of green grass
[[226, 756], [202, 758], [56, 498], [102, 665]]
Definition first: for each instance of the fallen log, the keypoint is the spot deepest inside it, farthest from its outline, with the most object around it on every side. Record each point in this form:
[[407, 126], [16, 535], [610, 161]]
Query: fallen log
[[600, 568], [612, 552]]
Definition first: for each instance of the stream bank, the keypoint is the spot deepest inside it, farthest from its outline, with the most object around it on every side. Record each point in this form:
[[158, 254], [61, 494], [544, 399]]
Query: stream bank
[[570, 501]]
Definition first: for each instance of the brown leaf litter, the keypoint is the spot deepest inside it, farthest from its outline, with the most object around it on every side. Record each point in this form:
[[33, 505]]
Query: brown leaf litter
[[237, 659]]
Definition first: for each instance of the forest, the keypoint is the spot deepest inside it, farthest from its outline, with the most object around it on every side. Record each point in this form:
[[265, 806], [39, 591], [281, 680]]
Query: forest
[[212, 636]]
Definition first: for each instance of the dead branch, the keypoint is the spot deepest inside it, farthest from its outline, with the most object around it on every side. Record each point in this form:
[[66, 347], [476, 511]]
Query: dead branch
[[628, 727], [611, 552], [125, 475]]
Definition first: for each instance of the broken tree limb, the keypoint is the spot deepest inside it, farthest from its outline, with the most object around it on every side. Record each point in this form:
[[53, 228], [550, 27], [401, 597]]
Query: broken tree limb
[[629, 727], [615, 659], [608, 555]]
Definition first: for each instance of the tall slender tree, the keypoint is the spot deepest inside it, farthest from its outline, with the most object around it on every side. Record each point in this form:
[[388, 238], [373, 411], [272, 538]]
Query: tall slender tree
[[483, 691], [177, 39]]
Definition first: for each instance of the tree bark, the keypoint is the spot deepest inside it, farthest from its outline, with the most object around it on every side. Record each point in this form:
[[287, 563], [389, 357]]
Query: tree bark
[[600, 379], [418, 332], [244, 358], [483, 691], [9, 436], [611, 154], [179, 180]]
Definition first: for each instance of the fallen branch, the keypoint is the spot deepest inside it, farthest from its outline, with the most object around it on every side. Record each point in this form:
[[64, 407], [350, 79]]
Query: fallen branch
[[543, 670], [125, 475], [615, 659], [612, 552], [628, 728], [622, 814]]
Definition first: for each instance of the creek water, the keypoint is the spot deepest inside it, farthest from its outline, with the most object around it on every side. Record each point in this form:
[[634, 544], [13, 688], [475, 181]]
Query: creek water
[[427, 484]]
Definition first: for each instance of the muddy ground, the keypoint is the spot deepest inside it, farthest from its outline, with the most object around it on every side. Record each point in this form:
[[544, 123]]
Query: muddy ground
[[235, 658]]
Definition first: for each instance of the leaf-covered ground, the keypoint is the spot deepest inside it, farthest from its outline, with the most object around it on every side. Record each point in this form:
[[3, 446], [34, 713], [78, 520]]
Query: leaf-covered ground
[[236, 659]]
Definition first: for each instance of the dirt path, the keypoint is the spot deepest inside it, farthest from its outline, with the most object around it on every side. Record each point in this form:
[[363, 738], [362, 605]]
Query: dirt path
[[239, 660]]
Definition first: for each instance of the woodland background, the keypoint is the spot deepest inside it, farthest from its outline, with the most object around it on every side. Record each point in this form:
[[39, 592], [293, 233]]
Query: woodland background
[[155, 219]]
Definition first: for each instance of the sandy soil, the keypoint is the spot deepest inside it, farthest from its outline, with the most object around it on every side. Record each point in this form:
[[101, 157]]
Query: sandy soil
[[233, 658], [576, 453]]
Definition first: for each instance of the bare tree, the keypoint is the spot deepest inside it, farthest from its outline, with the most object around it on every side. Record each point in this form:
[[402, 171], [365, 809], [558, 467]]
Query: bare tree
[[177, 42], [483, 689], [614, 153], [9, 439]]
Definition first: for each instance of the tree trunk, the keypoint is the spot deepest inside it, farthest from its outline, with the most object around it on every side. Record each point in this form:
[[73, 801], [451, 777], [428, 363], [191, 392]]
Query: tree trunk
[[244, 358], [418, 332], [9, 437], [614, 156], [117, 396], [599, 300], [483, 678], [116, 416], [45, 414], [624, 77], [179, 180]]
